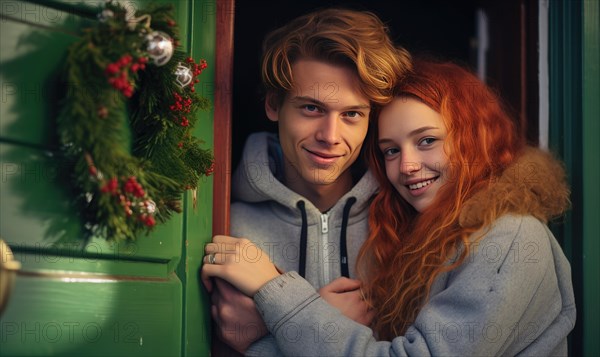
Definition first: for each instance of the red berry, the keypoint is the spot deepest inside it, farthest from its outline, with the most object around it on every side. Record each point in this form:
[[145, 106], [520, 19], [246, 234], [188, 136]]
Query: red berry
[[112, 68], [150, 222], [125, 60]]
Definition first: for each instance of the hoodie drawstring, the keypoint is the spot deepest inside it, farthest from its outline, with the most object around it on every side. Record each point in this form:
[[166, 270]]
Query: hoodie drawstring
[[303, 238], [343, 249]]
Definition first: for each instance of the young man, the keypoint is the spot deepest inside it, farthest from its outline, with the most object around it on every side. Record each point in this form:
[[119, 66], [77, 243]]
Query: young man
[[301, 195]]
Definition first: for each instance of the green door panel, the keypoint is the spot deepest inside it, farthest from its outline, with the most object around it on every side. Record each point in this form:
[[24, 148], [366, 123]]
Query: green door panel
[[65, 314], [76, 298], [35, 40], [574, 68], [198, 214], [84, 8], [37, 213], [44, 262], [32, 50]]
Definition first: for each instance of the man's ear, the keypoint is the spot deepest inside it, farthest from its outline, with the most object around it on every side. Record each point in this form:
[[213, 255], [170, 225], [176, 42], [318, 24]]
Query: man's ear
[[271, 107]]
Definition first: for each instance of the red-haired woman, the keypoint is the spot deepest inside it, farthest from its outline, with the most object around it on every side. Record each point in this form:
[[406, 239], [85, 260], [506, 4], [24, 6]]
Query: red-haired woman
[[459, 260]]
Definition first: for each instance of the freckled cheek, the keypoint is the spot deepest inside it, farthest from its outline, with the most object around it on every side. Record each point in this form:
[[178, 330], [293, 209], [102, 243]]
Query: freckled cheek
[[391, 172]]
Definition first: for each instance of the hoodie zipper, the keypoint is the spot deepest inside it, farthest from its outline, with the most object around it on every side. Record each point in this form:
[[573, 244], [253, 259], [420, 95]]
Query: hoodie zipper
[[325, 247]]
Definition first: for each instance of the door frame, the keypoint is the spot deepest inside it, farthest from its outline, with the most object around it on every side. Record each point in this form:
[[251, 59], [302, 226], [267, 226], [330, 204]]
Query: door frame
[[223, 110]]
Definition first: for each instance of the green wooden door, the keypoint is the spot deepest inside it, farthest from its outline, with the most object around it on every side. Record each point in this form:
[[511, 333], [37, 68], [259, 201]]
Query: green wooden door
[[574, 60], [140, 298]]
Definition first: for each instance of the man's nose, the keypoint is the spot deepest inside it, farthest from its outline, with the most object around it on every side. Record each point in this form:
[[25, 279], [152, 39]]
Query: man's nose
[[329, 130]]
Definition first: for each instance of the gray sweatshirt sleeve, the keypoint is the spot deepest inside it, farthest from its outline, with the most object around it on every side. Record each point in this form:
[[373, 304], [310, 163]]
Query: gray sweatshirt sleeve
[[266, 346], [499, 301]]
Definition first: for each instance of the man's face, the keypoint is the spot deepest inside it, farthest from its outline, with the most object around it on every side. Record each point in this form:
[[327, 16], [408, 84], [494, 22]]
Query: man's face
[[322, 123]]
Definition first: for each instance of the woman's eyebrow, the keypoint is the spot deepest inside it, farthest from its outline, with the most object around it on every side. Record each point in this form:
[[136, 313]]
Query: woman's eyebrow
[[421, 130], [412, 133]]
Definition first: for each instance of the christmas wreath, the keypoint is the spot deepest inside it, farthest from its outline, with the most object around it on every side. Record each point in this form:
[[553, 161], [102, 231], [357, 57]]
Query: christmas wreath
[[127, 75]]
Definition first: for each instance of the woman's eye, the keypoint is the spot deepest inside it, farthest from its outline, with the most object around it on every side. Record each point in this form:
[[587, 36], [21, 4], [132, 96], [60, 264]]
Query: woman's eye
[[427, 141], [390, 151]]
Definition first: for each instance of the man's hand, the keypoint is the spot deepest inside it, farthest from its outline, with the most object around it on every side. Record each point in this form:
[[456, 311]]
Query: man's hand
[[238, 321], [345, 295]]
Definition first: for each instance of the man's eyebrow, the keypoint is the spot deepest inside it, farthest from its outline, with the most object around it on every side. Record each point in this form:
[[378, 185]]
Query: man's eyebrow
[[322, 104]]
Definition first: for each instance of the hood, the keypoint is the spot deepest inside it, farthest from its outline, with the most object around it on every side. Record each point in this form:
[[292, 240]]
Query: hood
[[535, 184], [268, 211], [259, 174]]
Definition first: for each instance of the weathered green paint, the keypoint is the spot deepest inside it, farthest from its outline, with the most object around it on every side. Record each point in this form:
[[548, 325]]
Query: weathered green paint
[[198, 215], [32, 50], [37, 213], [44, 262], [83, 8], [591, 176], [92, 316], [574, 93], [140, 298]]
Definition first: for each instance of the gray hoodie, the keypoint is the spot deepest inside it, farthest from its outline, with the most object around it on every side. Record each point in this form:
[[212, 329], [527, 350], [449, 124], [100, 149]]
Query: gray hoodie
[[513, 294], [288, 227], [512, 297]]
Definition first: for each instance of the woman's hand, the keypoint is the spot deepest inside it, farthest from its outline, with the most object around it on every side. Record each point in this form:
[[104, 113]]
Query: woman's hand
[[345, 295], [240, 262]]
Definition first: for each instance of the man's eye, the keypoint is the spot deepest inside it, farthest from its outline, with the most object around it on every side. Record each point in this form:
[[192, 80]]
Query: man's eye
[[311, 108], [354, 115]]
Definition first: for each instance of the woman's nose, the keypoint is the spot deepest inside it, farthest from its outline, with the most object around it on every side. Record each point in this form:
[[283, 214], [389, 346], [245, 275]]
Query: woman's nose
[[410, 162]]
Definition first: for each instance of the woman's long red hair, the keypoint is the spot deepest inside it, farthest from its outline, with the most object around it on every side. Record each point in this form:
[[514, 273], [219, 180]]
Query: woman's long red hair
[[406, 250]]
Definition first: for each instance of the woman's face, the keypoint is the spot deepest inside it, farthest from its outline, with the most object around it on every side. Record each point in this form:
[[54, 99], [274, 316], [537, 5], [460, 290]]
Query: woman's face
[[411, 138]]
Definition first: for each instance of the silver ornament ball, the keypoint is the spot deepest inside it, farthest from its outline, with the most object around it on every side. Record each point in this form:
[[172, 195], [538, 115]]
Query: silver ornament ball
[[149, 205], [105, 15], [159, 46]]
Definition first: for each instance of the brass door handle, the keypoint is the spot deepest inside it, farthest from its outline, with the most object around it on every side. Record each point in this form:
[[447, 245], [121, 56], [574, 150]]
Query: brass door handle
[[8, 271]]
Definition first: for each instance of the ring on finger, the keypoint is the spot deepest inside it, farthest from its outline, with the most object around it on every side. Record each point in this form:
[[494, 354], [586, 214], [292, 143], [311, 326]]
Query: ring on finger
[[212, 258]]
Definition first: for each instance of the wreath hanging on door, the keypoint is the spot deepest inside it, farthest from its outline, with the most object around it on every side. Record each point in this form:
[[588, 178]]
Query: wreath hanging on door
[[127, 75]]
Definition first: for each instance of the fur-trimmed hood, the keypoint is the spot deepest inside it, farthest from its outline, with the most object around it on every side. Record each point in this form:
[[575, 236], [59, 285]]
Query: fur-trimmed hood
[[535, 184]]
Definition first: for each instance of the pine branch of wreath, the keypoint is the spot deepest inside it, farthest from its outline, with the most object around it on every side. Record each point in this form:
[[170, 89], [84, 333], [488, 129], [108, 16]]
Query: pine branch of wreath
[[127, 122]]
